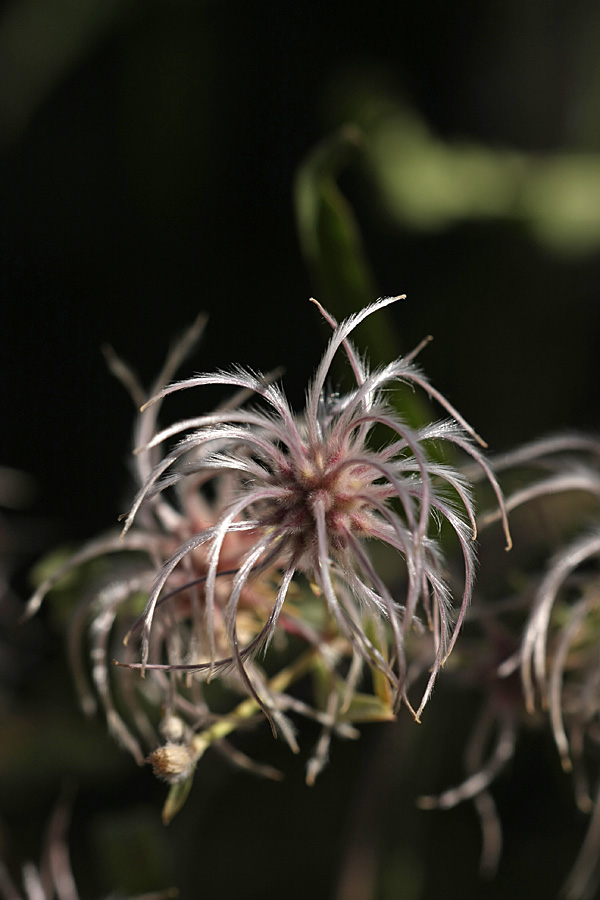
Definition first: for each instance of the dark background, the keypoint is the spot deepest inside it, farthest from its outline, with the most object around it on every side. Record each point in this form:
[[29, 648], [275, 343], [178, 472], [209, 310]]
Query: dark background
[[147, 159]]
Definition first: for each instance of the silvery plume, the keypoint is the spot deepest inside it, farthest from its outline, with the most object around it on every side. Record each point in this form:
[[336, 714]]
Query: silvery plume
[[257, 515], [555, 653]]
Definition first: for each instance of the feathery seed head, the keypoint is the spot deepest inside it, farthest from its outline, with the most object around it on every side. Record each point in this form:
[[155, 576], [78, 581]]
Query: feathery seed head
[[260, 523], [312, 490], [554, 648]]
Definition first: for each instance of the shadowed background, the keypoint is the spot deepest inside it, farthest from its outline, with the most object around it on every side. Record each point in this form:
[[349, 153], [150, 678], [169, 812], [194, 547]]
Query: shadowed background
[[159, 159]]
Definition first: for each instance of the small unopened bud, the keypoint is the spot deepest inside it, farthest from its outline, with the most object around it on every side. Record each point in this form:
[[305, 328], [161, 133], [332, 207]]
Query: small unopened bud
[[172, 762], [173, 729]]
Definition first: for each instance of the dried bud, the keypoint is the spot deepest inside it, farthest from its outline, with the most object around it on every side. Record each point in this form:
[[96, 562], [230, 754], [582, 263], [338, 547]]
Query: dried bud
[[172, 762]]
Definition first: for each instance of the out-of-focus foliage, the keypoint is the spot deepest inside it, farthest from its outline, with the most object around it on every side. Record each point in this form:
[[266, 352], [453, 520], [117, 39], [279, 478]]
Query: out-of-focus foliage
[[332, 245], [41, 43], [428, 183], [330, 235]]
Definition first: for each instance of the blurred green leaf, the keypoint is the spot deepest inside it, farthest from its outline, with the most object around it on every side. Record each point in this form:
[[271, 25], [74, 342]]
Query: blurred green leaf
[[428, 184], [332, 246], [40, 42], [76, 582], [329, 234], [176, 798], [368, 708]]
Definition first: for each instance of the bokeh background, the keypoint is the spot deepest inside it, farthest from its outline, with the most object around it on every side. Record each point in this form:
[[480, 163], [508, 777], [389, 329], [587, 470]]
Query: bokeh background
[[157, 159]]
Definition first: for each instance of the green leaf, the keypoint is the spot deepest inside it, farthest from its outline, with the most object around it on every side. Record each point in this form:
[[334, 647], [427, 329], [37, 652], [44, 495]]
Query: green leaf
[[333, 248], [176, 798], [329, 235], [368, 708]]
